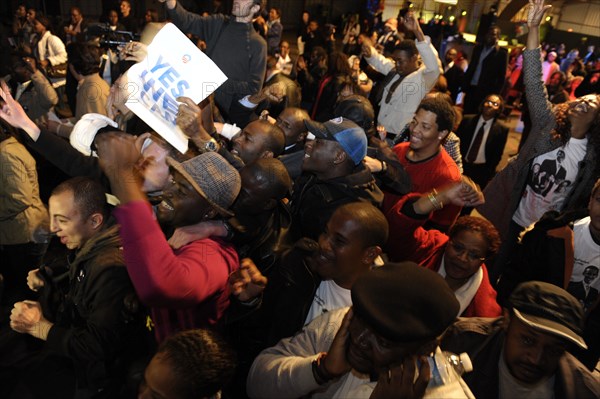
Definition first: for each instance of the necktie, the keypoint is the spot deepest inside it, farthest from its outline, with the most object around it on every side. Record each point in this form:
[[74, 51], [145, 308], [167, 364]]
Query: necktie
[[477, 140], [393, 88]]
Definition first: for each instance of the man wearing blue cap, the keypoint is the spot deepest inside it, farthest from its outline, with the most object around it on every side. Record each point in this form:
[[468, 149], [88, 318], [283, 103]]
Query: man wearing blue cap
[[333, 175]]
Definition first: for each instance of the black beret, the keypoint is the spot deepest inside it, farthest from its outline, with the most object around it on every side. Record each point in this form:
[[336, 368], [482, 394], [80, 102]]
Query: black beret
[[405, 302]]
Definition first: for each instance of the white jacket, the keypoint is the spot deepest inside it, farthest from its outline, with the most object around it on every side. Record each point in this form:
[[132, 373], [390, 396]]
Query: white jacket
[[406, 98], [51, 48], [285, 370]]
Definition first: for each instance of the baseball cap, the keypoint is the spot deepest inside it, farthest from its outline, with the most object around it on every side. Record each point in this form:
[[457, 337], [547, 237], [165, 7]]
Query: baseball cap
[[549, 308], [213, 178], [405, 302], [348, 134]]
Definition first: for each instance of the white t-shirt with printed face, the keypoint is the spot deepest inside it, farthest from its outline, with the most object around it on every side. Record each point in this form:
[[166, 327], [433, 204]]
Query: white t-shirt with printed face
[[585, 281], [551, 179]]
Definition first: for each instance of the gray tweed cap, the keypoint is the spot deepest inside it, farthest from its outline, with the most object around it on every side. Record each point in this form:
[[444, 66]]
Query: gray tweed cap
[[213, 177]]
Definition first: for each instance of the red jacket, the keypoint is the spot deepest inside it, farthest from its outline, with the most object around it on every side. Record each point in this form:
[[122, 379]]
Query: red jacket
[[411, 242]]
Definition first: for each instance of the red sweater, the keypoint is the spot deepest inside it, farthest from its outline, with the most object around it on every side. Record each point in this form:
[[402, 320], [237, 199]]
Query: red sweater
[[411, 242], [186, 288], [426, 175]]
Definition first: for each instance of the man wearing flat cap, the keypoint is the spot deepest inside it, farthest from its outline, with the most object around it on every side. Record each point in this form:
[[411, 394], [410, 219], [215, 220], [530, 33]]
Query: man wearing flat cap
[[333, 174], [525, 354], [394, 325], [186, 287]]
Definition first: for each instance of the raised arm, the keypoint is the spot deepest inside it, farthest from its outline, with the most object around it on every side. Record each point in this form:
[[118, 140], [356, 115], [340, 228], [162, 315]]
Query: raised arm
[[540, 108], [433, 65], [537, 9]]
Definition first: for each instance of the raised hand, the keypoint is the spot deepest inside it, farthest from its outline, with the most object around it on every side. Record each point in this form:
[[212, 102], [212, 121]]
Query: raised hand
[[275, 92], [118, 153], [366, 46], [465, 193], [536, 12], [411, 23], [14, 114], [247, 282], [188, 116], [11, 111]]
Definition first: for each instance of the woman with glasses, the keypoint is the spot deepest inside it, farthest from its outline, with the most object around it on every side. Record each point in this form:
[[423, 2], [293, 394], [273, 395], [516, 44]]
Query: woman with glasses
[[458, 256]]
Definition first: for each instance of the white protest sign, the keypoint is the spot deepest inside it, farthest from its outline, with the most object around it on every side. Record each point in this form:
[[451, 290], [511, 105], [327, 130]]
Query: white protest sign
[[174, 67]]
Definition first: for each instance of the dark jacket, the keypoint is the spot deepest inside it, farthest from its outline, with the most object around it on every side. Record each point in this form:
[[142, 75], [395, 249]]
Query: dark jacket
[[263, 237], [494, 146], [309, 81], [285, 302], [62, 155], [99, 323], [493, 69], [455, 77], [314, 200], [483, 340], [281, 312], [546, 253], [292, 98], [543, 254], [236, 48]]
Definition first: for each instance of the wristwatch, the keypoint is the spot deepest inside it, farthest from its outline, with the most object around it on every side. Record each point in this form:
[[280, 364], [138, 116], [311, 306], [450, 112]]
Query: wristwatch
[[210, 146]]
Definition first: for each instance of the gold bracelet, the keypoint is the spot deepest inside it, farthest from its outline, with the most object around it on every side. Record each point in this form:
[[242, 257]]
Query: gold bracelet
[[437, 205]]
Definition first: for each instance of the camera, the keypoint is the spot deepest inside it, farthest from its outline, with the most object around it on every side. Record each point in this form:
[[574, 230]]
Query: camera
[[110, 38]]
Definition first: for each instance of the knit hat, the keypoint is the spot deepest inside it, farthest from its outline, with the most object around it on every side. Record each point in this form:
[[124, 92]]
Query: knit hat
[[549, 308], [351, 137], [84, 131], [405, 302], [213, 178]]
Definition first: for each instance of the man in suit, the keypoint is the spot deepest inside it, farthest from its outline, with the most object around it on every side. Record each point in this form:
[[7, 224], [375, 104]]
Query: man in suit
[[487, 71], [552, 172], [583, 290], [454, 72], [481, 155]]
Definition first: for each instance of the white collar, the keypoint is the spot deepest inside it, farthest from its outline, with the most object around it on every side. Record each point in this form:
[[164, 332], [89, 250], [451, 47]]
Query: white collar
[[467, 291]]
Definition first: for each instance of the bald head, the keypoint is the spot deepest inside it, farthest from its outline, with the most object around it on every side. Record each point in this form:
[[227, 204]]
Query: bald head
[[373, 223], [291, 122], [259, 139], [264, 183]]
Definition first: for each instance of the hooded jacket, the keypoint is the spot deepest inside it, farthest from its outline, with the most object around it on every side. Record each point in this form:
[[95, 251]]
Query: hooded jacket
[[99, 323]]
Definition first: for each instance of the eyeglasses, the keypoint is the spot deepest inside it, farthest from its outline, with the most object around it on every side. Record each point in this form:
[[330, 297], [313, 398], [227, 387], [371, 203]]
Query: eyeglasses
[[460, 249], [494, 103]]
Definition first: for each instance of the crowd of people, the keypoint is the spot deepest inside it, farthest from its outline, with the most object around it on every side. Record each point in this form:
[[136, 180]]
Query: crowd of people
[[339, 227]]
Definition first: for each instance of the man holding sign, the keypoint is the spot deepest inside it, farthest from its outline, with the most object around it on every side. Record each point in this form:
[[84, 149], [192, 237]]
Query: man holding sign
[[232, 43]]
